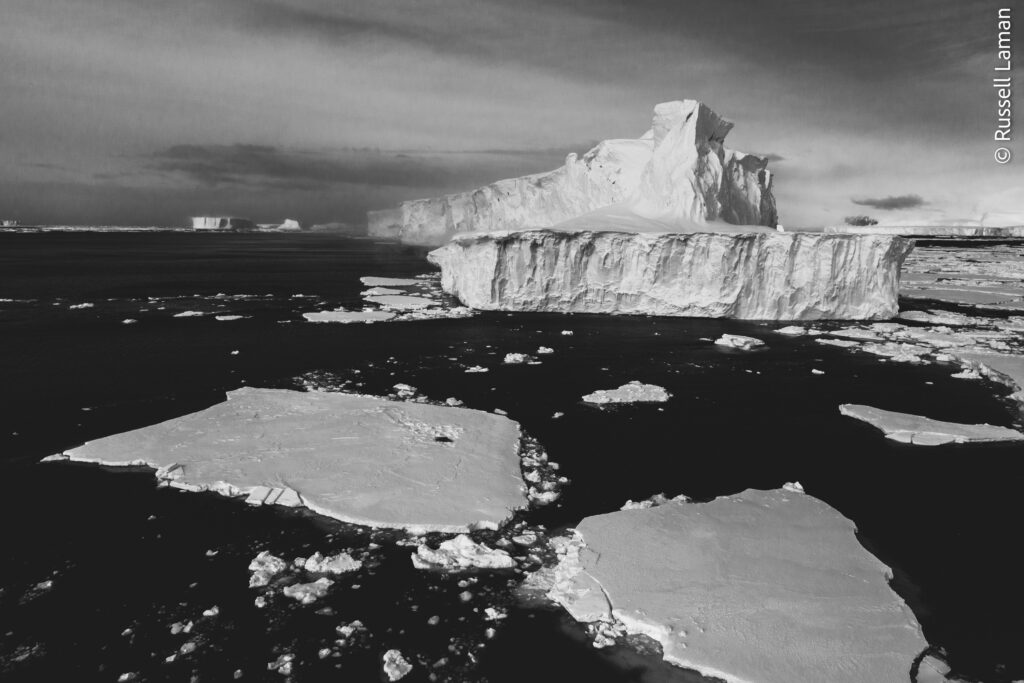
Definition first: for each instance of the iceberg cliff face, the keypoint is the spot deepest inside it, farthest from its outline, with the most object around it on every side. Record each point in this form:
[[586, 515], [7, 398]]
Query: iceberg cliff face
[[678, 172], [760, 275]]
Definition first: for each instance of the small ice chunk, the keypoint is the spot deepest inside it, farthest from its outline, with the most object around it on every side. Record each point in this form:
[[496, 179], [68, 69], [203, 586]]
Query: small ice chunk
[[226, 318], [792, 331], [477, 368], [307, 593], [78, 306], [544, 350], [461, 553], [331, 564], [395, 665], [515, 358], [632, 392], [566, 333], [282, 665], [129, 321], [265, 567], [738, 341], [189, 314]]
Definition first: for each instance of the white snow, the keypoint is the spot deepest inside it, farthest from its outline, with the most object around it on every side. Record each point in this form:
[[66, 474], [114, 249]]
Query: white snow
[[631, 392], [738, 341], [460, 552], [359, 459], [766, 586], [923, 431]]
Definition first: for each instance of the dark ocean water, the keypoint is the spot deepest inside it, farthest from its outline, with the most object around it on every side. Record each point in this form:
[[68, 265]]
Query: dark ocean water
[[127, 560]]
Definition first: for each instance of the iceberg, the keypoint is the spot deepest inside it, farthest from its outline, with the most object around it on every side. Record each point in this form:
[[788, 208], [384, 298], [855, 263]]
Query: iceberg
[[924, 431], [359, 459], [760, 275], [679, 171], [767, 586]]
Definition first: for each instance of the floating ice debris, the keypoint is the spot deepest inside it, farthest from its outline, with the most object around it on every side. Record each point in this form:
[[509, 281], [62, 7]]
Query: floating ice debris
[[494, 614], [816, 371], [371, 281], [227, 318], [544, 350], [515, 358], [129, 321], [653, 501], [235, 352], [264, 567], [792, 331], [331, 564], [477, 368], [566, 333], [181, 627], [360, 459], [307, 593], [212, 612], [405, 391], [923, 431], [632, 392], [189, 314], [380, 291], [767, 586], [738, 341], [461, 553], [400, 302], [282, 665], [347, 630], [395, 666], [344, 316], [77, 306]]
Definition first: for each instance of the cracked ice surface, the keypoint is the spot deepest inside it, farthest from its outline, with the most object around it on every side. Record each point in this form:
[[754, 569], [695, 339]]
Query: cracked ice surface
[[923, 431], [356, 458], [767, 586]]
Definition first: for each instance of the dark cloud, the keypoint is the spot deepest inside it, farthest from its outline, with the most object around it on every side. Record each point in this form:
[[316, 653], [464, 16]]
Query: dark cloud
[[271, 167], [903, 201]]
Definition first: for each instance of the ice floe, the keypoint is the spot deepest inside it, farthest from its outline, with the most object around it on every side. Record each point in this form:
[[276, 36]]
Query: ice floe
[[265, 567], [923, 431], [361, 459], [307, 593], [767, 586], [461, 552], [395, 665], [631, 392], [340, 563], [738, 341], [341, 315]]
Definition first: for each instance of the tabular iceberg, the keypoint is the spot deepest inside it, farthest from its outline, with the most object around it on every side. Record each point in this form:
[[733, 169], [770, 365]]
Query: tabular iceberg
[[761, 275], [679, 171]]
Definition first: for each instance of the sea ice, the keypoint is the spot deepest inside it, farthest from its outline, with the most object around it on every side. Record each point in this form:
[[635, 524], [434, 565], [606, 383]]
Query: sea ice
[[264, 567], [460, 553], [792, 331], [400, 302], [332, 564], [923, 431], [307, 593], [371, 281], [356, 458], [515, 358], [766, 586], [344, 316], [189, 314], [395, 665], [631, 392], [738, 341]]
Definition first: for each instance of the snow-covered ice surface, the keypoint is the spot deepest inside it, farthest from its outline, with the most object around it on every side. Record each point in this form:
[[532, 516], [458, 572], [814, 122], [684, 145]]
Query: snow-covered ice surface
[[631, 392], [356, 458], [675, 177], [988, 277], [762, 275], [766, 586], [923, 431]]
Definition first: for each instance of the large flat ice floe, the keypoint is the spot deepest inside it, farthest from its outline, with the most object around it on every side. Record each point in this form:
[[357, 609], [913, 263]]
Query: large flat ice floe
[[678, 173], [763, 275], [356, 458], [765, 586], [923, 431]]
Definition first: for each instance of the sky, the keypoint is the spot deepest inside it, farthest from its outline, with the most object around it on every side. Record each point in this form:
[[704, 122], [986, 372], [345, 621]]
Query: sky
[[145, 112]]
